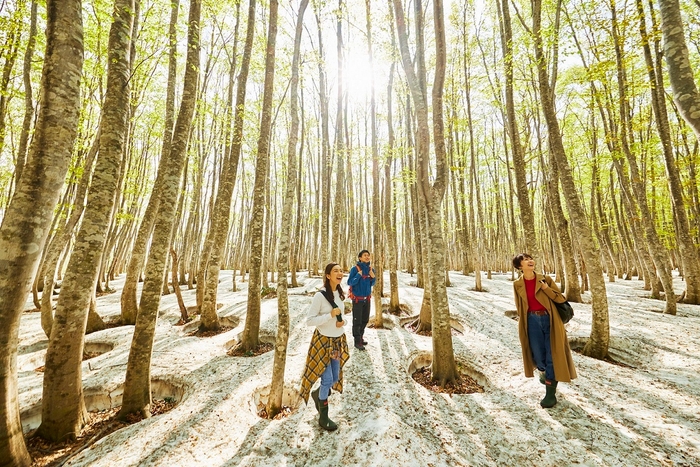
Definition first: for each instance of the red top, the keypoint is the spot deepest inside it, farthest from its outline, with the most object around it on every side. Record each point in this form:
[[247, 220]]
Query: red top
[[532, 302]]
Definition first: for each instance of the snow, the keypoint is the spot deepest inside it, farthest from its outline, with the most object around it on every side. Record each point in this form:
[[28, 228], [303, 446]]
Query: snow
[[645, 414]]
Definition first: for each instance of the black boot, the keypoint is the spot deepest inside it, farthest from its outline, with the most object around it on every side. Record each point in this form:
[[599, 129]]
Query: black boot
[[358, 344], [550, 399], [317, 402], [323, 420], [362, 339]]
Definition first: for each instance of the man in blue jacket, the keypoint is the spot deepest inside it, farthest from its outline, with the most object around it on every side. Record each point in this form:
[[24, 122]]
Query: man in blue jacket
[[361, 280]]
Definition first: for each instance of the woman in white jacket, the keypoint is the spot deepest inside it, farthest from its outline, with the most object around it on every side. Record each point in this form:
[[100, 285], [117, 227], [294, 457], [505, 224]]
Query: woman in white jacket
[[328, 350]]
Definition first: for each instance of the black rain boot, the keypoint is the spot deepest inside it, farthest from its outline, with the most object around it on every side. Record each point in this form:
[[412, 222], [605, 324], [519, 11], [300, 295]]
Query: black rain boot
[[358, 344], [550, 399], [317, 402], [323, 420]]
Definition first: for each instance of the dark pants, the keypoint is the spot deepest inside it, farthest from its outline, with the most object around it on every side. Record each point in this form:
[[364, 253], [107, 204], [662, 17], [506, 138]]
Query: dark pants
[[360, 318], [540, 345]]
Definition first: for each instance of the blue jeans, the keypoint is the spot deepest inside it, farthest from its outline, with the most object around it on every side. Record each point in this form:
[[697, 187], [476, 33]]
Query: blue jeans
[[540, 344], [328, 378]]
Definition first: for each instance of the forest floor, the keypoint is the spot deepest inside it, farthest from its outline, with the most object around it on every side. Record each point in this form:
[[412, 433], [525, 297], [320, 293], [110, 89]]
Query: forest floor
[[643, 411]]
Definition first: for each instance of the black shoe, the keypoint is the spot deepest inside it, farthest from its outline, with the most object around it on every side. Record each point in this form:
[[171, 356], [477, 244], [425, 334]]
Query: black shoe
[[359, 346]]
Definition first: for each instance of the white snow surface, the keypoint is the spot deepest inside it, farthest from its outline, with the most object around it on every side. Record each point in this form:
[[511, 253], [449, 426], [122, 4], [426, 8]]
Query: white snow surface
[[642, 415]]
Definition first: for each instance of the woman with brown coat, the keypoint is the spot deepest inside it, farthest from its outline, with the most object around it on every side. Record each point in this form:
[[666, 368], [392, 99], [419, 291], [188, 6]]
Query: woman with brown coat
[[543, 339]]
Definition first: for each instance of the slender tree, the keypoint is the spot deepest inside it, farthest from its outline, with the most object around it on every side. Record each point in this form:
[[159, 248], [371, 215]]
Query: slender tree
[[444, 368], [274, 403], [129, 301], [137, 384], [222, 207], [597, 345], [250, 337], [688, 252], [63, 412], [26, 222]]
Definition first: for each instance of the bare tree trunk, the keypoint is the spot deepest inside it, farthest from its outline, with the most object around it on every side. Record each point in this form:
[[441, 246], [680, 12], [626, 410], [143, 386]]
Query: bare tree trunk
[[25, 225], [274, 403], [444, 368], [222, 207], [178, 293], [654, 246], [389, 206], [28, 99], [61, 240], [137, 384], [680, 71], [597, 345], [688, 251], [129, 302], [526, 214], [326, 167], [249, 339], [339, 146], [63, 412]]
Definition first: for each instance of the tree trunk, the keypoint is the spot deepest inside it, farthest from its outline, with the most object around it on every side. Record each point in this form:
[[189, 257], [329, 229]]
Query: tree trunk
[[63, 412], [680, 71], [326, 161], [249, 339], [389, 206], [129, 301], [526, 214], [654, 246], [274, 403], [137, 385], [378, 226], [444, 368], [61, 240], [222, 207], [28, 99], [597, 345], [25, 225], [178, 293], [688, 251]]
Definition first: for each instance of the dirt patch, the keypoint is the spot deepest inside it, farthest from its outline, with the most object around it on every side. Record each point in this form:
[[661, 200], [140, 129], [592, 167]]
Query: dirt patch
[[262, 348], [221, 330], [411, 327], [100, 424], [404, 310], [464, 385], [284, 413]]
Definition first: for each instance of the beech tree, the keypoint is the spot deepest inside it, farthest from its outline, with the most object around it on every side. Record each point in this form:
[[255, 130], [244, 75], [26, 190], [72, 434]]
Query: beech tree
[[26, 222], [250, 337], [63, 413], [444, 368], [137, 384]]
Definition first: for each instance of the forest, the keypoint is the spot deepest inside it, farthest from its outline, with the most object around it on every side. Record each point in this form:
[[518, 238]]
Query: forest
[[175, 175]]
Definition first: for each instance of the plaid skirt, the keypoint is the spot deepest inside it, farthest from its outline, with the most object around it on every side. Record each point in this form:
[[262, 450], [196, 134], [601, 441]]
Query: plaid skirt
[[321, 350]]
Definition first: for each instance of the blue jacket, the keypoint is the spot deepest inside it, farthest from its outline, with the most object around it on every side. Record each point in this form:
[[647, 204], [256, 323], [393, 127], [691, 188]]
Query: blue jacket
[[361, 283]]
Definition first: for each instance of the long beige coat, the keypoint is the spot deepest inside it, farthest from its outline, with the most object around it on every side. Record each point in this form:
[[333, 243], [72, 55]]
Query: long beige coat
[[564, 369]]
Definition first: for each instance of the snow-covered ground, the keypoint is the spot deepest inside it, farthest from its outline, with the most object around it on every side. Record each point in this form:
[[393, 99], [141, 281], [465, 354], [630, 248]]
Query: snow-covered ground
[[645, 414]]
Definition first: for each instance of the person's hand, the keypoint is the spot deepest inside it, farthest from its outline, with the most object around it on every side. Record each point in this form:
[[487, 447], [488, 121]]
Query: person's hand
[[371, 273], [544, 284], [339, 324], [335, 312]]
